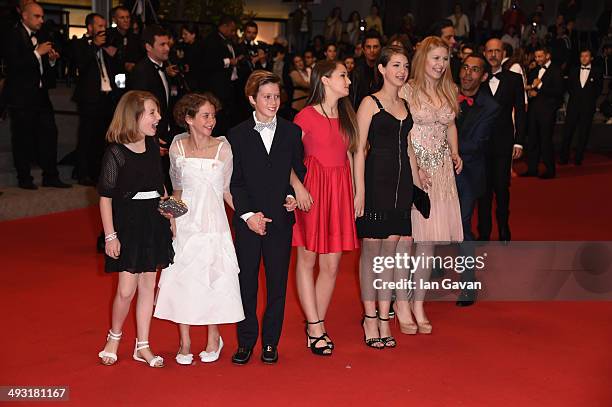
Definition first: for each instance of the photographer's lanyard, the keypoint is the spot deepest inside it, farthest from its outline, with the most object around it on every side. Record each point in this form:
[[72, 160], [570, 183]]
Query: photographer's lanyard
[[105, 85]]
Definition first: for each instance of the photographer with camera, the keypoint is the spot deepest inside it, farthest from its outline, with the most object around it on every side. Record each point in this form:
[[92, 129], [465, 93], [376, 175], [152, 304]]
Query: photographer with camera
[[254, 56], [30, 60], [95, 96]]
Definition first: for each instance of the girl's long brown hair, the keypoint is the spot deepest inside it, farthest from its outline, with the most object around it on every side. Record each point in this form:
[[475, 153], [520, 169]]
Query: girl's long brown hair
[[445, 88], [124, 126], [346, 113]]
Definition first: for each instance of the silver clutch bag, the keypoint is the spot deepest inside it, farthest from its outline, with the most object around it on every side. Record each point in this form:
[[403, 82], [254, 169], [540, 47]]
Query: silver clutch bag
[[174, 207]]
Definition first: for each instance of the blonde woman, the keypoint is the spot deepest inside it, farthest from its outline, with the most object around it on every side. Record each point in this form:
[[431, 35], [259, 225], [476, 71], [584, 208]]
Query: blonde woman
[[138, 239], [432, 97]]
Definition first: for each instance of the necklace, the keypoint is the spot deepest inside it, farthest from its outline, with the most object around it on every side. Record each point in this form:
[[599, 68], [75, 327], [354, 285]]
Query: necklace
[[195, 149]]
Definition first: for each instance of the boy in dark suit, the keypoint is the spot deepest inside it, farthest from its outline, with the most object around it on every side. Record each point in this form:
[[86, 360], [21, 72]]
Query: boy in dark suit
[[266, 148]]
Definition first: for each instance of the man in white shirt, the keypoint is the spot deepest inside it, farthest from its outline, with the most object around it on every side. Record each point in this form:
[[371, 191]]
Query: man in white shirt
[[545, 90], [94, 96], [585, 83]]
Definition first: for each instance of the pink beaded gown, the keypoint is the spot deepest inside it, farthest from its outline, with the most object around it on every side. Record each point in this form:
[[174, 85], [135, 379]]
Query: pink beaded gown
[[430, 145]]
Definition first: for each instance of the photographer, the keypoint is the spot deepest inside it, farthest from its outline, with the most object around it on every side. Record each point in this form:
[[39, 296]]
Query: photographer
[[189, 58], [94, 96], [254, 56], [129, 48]]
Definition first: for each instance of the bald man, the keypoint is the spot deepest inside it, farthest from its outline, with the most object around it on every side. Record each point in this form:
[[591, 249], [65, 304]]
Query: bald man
[[30, 58]]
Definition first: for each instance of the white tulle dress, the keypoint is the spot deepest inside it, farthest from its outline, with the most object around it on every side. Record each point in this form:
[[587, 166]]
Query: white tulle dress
[[201, 287]]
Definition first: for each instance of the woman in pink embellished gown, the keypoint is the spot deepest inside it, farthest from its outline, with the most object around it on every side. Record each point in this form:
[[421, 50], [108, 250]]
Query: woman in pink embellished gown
[[432, 97]]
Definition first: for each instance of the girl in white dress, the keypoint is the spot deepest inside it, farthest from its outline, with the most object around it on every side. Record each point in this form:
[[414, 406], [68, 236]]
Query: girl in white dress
[[201, 287]]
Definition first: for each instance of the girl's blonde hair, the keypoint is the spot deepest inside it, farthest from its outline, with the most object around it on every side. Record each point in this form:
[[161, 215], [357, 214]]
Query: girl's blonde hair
[[124, 126], [445, 87]]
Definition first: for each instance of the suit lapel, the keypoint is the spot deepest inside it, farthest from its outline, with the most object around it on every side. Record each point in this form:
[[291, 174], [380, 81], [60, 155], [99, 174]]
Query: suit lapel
[[276, 140], [473, 116]]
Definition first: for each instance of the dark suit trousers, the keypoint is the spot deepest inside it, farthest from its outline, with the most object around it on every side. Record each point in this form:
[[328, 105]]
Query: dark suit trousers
[[94, 119], [540, 138], [580, 118], [33, 127], [467, 202], [275, 247], [498, 184]]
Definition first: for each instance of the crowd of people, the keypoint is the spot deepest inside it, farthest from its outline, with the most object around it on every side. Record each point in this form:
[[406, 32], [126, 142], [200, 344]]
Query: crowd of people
[[349, 141]]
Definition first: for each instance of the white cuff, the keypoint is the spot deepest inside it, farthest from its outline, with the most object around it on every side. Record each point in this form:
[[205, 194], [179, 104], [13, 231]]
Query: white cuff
[[290, 196], [246, 216], [226, 62], [518, 146]]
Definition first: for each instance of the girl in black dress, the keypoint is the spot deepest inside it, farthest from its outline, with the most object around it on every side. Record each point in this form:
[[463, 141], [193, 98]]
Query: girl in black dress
[[138, 240], [383, 199]]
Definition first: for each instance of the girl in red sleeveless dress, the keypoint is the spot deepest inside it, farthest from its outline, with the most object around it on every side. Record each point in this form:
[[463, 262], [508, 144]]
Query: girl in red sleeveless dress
[[325, 219]]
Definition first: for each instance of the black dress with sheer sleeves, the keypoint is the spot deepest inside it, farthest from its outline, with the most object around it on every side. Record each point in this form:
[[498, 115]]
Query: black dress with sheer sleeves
[[135, 183]]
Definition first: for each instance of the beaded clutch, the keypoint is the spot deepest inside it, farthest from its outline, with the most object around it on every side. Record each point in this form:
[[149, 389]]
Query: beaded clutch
[[174, 207]]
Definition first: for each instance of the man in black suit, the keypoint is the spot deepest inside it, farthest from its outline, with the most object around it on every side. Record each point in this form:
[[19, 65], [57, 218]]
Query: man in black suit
[[221, 70], [364, 78], [128, 44], [94, 96], [545, 90], [475, 126], [253, 57], [585, 83], [505, 145], [30, 59], [265, 148], [152, 74]]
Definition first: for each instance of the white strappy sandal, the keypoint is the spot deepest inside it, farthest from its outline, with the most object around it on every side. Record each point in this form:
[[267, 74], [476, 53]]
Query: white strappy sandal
[[112, 356], [154, 360]]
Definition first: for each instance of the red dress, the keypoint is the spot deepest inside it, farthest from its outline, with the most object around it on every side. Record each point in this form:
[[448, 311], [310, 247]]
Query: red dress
[[329, 226]]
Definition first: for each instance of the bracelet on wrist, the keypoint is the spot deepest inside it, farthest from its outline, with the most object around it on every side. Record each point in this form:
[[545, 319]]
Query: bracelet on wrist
[[111, 236]]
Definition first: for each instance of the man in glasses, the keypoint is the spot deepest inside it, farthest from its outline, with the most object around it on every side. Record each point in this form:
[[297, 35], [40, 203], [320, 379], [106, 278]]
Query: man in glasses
[[475, 126]]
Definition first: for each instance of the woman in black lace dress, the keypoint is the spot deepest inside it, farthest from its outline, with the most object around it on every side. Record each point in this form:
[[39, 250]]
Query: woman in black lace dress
[[384, 175], [138, 240]]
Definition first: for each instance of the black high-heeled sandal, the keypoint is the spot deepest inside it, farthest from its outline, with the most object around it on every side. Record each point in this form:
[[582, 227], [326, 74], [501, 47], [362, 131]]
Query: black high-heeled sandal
[[388, 341], [319, 351], [370, 342], [327, 338]]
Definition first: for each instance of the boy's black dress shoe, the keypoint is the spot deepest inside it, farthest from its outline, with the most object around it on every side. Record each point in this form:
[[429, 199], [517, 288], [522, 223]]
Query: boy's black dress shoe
[[242, 356], [269, 354]]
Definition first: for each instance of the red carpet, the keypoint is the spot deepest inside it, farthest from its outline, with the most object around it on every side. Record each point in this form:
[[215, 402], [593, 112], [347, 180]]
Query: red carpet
[[56, 301]]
